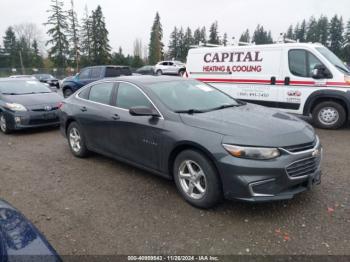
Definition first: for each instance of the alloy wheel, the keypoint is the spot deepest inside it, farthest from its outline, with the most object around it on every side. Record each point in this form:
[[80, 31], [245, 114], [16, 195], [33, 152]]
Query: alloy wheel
[[192, 179], [75, 140], [3, 124]]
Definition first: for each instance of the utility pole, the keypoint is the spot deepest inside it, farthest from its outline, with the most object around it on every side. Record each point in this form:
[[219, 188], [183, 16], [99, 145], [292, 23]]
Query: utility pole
[[20, 58]]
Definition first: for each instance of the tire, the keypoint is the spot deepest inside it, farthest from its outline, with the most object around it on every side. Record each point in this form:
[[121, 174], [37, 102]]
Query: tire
[[329, 115], [181, 73], [159, 73], [77, 145], [67, 92], [4, 125], [204, 178]]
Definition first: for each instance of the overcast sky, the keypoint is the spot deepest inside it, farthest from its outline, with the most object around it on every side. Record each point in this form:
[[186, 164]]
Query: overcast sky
[[130, 19]]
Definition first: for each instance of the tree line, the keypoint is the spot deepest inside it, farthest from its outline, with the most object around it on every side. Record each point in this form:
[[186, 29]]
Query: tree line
[[75, 42]]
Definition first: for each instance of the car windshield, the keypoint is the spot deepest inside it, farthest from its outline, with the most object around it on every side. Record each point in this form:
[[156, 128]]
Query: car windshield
[[192, 96], [331, 57], [22, 87]]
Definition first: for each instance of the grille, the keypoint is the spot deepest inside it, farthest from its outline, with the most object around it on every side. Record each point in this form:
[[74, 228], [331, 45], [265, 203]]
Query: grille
[[303, 167], [301, 147]]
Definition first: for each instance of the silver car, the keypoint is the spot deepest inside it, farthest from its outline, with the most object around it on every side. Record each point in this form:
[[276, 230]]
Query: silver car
[[170, 68]]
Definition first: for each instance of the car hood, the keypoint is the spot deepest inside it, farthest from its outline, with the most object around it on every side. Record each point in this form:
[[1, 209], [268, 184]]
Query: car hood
[[19, 237], [253, 125], [34, 99]]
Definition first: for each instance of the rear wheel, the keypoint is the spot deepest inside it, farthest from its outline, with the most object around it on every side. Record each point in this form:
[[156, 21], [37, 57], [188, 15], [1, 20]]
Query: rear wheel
[[67, 92], [76, 141], [329, 115], [4, 125], [181, 72], [197, 179]]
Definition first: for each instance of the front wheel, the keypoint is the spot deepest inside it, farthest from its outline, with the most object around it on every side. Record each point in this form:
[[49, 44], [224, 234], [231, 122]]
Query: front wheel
[[67, 92], [159, 72], [197, 180], [4, 124], [329, 115], [76, 141]]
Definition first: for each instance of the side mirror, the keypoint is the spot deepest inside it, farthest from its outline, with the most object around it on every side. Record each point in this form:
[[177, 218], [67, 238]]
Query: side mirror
[[321, 72], [143, 111]]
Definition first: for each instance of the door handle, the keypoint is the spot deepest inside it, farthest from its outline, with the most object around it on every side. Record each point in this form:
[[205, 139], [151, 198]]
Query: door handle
[[83, 109], [116, 117]]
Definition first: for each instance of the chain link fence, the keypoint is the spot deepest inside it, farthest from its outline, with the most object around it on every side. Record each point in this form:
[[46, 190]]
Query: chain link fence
[[59, 73]]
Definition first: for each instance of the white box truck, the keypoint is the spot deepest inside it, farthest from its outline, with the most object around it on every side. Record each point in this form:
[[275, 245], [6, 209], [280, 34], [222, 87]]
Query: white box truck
[[300, 78]]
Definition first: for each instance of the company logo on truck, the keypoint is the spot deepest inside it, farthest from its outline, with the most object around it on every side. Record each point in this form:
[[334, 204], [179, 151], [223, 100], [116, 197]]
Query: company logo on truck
[[238, 58]]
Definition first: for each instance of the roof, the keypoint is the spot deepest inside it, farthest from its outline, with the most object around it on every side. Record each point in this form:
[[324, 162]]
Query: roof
[[146, 79]]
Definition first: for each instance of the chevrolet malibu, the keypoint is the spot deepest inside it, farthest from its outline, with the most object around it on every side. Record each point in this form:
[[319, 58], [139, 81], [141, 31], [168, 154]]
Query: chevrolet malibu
[[210, 144], [26, 103]]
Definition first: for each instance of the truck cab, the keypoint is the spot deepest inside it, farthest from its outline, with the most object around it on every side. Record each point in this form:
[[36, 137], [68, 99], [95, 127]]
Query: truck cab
[[300, 78], [91, 74]]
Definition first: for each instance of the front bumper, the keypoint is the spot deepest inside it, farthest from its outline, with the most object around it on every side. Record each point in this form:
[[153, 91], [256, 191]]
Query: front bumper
[[261, 181], [31, 119]]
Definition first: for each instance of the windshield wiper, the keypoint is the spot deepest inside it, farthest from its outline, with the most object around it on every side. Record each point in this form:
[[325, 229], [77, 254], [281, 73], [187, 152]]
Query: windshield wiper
[[190, 111], [223, 107]]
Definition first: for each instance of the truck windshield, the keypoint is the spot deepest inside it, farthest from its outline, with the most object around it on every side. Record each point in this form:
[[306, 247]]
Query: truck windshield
[[331, 57]]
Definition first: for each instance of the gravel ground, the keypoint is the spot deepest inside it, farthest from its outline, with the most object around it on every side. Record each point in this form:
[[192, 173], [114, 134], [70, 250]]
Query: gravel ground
[[101, 206]]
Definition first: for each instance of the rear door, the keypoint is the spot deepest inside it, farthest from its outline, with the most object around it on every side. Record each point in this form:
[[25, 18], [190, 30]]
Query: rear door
[[136, 138], [95, 114]]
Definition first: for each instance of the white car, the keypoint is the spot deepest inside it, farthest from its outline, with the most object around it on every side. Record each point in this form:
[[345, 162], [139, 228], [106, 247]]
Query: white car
[[170, 68], [305, 79]]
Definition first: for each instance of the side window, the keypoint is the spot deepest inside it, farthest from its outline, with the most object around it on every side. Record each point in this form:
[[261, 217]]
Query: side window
[[171, 63], [297, 63], [85, 74], [129, 96], [302, 62], [101, 93], [96, 73], [85, 93], [112, 72]]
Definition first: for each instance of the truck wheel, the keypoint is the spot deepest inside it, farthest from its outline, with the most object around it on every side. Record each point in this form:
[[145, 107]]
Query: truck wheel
[[3, 124], [159, 72], [197, 180], [67, 92], [329, 115]]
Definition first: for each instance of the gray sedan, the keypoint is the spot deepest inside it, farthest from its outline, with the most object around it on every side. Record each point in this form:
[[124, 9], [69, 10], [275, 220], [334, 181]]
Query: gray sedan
[[210, 144]]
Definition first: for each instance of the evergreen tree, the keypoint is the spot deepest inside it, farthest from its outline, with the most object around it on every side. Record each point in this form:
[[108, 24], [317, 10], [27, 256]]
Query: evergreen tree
[[86, 33], [214, 34], [302, 31], [58, 28], [174, 44], [290, 32], [99, 39], [197, 36], [261, 36], [73, 35], [312, 34], [156, 45], [336, 31], [10, 49], [188, 41], [346, 50], [181, 37], [225, 39], [245, 37], [322, 28], [203, 36], [119, 58], [37, 60], [296, 32]]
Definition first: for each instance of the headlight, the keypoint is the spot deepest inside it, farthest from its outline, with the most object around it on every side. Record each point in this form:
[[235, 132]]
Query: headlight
[[259, 153], [16, 107]]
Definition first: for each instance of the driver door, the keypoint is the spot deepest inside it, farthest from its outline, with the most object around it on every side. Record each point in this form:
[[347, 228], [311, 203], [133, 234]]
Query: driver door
[[135, 138]]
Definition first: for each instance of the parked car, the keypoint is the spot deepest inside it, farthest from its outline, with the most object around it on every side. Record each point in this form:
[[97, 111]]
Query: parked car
[[212, 145], [146, 70], [170, 68], [20, 240], [48, 79], [27, 103], [22, 76], [90, 74], [300, 78]]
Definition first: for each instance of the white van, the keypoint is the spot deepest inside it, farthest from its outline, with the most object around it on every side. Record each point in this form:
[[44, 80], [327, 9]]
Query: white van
[[299, 78]]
